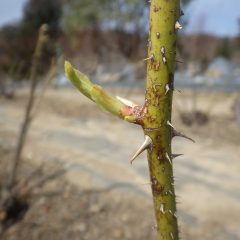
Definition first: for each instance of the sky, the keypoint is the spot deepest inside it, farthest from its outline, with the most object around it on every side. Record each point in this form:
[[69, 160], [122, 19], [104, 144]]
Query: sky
[[214, 16], [218, 17], [10, 10]]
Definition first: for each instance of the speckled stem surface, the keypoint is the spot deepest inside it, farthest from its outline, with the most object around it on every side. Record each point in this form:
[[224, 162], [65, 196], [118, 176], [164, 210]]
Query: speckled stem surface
[[157, 113]]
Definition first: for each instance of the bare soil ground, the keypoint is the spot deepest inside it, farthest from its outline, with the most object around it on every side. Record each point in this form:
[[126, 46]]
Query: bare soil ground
[[102, 196]]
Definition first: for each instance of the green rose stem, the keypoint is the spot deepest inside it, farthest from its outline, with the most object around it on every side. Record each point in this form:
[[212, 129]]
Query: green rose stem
[[155, 115], [157, 125]]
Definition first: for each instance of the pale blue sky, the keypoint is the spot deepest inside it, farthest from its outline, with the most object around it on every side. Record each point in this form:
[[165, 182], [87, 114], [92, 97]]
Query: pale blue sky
[[214, 16], [10, 10], [217, 17]]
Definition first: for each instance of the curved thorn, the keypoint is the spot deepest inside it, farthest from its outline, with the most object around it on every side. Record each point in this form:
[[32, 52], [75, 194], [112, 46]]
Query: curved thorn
[[162, 208], [149, 58], [176, 155], [170, 193], [126, 101], [170, 211], [147, 144], [164, 59], [168, 158], [162, 50], [178, 26], [179, 134], [169, 124], [167, 88]]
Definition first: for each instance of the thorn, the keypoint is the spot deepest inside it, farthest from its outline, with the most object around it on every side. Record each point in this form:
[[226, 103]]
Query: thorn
[[169, 124], [162, 208], [126, 102], [154, 181], [167, 89], [171, 235], [176, 155], [149, 58], [168, 158], [164, 60], [146, 144], [179, 134], [178, 26], [158, 35], [171, 193], [163, 50]]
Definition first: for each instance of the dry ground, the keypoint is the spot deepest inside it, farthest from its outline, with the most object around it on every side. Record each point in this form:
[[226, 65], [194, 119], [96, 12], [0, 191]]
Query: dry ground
[[102, 196]]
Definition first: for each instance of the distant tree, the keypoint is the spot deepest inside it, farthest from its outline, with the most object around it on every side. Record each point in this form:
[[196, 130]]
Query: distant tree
[[224, 50], [14, 54], [79, 14], [129, 12], [38, 12], [16, 58], [125, 19]]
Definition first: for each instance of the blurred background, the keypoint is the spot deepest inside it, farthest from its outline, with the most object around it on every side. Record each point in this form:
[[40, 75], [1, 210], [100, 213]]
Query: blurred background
[[64, 165]]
